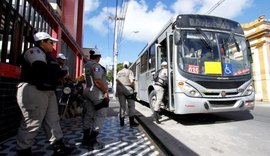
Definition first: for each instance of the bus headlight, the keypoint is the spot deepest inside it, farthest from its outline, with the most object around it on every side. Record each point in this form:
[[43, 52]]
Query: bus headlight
[[188, 89], [249, 90]]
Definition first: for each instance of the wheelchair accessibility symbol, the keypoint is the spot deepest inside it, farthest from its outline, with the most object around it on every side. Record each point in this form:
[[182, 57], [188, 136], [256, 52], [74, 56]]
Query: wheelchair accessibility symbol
[[227, 69]]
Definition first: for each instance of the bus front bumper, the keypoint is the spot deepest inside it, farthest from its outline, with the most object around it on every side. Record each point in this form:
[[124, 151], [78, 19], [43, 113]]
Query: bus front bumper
[[187, 105]]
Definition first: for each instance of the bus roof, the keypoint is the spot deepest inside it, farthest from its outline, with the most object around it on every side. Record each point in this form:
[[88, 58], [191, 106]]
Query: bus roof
[[207, 21], [198, 20]]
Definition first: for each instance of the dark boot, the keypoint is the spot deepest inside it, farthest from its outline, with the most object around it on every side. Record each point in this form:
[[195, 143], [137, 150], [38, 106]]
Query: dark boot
[[159, 114], [93, 141], [88, 140], [132, 122], [24, 152], [86, 137], [156, 117], [122, 121], [60, 149]]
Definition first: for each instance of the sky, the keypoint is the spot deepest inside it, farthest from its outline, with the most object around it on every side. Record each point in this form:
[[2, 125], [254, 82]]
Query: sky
[[145, 18]]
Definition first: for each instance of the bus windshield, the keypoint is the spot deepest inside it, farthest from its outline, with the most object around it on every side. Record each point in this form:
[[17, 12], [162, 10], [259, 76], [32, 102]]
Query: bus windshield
[[213, 53]]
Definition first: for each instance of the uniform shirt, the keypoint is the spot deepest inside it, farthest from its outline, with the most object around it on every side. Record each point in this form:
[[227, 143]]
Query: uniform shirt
[[40, 69], [94, 71], [125, 76], [163, 77]]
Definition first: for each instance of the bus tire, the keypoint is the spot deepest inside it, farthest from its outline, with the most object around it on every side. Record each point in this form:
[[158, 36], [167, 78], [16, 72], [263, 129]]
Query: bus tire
[[153, 99]]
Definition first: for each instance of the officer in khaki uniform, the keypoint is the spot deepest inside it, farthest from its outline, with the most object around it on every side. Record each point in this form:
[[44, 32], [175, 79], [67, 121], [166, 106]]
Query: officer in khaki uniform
[[97, 99], [125, 91], [36, 97], [159, 88]]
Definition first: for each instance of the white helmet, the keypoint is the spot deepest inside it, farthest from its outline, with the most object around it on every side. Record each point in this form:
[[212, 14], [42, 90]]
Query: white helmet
[[61, 56], [39, 36], [126, 63], [164, 63], [94, 52]]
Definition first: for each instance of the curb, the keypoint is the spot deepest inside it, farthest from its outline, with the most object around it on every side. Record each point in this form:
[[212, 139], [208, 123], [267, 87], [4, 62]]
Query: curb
[[167, 143]]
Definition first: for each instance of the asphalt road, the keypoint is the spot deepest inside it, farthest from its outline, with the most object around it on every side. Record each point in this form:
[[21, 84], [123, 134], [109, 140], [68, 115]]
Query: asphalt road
[[226, 134]]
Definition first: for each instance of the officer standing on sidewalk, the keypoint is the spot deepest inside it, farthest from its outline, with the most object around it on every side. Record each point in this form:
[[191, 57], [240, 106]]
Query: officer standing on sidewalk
[[36, 97], [125, 93], [97, 99]]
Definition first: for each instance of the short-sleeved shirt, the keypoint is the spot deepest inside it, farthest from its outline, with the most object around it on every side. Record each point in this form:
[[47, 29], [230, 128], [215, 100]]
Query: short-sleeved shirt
[[163, 77], [95, 71], [125, 76], [34, 54], [40, 69]]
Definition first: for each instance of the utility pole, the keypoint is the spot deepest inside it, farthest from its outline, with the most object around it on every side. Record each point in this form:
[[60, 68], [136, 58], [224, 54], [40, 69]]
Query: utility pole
[[115, 52]]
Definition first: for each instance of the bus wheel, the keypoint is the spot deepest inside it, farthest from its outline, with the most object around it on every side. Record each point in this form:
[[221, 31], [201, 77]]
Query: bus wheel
[[153, 99]]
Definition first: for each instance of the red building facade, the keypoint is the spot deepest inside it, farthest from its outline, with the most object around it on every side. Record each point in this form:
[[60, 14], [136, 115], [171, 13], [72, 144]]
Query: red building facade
[[19, 20]]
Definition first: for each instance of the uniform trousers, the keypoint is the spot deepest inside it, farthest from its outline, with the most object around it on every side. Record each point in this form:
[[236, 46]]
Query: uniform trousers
[[160, 94], [38, 108], [92, 119], [123, 92]]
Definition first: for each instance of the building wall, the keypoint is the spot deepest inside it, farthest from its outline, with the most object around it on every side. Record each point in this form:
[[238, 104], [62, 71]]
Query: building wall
[[258, 34], [69, 16], [19, 20]]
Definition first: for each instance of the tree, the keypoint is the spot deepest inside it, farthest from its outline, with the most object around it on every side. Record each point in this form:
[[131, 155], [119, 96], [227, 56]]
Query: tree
[[110, 75]]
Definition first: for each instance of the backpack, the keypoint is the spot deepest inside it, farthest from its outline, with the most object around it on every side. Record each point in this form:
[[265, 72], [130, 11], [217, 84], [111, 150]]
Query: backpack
[[156, 76]]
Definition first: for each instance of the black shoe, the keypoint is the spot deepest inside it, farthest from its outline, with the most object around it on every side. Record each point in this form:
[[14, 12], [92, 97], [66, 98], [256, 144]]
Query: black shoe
[[98, 145], [93, 143], [132, 122], [24, 152], [86, 137], [156, 117], [122, 121], [62, 150], [159, 115]]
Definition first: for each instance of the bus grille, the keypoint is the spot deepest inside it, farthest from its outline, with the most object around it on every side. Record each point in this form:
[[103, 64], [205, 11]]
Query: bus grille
[[217, 94], [220, 85], [222, 103]]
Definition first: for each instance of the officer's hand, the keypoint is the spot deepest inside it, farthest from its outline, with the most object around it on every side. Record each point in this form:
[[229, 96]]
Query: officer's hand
[[106, 95]]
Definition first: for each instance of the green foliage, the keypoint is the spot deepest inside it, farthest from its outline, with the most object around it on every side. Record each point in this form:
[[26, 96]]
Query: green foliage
[[110, 75], [119, 67]]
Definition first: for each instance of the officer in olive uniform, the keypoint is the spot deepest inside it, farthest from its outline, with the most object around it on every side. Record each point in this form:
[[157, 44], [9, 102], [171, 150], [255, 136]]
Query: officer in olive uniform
[[36, 97], [97, 99], [125, 91], [159, 88]]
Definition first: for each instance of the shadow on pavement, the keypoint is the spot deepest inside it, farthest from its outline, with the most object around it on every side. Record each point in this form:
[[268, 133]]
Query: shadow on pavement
[[167, 143], [213, 118]]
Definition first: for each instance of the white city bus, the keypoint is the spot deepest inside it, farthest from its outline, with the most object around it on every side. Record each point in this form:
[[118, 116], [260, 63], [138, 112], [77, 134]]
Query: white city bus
[[209, 66]]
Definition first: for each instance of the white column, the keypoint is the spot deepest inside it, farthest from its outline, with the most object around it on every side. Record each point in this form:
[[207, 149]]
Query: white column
[[115, 55]]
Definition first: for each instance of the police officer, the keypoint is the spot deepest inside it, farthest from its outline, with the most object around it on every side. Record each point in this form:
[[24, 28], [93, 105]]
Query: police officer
[[160, 87], [125, 91], [97, 99], [36, 97], [61, 59], [64, 99]]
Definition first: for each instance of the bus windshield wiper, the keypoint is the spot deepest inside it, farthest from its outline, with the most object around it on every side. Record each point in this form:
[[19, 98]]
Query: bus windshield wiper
[[232, 36], [205, 39]]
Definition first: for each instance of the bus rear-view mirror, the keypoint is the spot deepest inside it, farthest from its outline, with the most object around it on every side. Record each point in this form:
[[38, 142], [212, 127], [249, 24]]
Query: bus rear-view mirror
[[177, 38]]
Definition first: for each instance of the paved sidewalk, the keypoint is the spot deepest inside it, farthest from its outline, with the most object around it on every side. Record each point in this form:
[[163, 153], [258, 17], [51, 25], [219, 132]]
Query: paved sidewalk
[[118, 140]]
